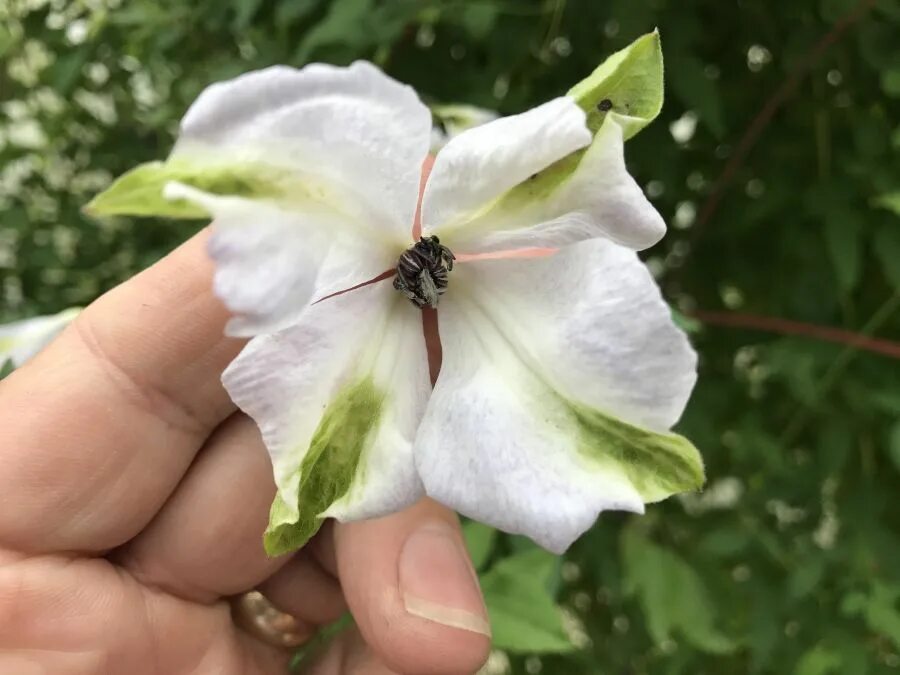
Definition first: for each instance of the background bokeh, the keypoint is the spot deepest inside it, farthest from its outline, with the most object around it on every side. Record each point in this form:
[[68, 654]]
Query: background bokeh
[[789, 562]]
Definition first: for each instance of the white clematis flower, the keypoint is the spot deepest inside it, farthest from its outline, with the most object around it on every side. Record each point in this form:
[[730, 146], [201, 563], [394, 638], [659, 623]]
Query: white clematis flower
[[21, 340], [562, 370]]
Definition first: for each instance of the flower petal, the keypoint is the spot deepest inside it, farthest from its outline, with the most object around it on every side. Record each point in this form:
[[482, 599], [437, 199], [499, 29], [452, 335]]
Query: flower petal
[[337, 398], [354, 128], [21, 340], [271, 263], [596, 198], [560, 378], [312, 176], [352, 138], [627, 86], [579, 195], [481, 164]]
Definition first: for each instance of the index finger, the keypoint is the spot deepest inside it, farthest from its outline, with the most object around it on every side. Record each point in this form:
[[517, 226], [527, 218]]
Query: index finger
[[97, 430]]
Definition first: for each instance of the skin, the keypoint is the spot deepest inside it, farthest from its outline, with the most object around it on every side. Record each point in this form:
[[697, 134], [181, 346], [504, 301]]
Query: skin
[[133, 497]]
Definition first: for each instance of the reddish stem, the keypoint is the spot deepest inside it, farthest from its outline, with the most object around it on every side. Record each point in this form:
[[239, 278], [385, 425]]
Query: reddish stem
[[770, 324]]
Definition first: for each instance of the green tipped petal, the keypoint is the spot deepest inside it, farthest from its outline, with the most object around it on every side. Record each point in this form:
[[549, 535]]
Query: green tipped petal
[[628, 85], [337, 408], [139, 192], [553, 404], [329, 468], [657, 465], [627, 88], [292, 134], [555, 174]]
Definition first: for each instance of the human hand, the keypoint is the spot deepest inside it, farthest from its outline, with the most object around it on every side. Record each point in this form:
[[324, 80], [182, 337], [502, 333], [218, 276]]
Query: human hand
[[133, 498]]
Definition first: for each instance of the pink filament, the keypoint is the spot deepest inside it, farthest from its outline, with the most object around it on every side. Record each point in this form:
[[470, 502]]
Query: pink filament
[[534, 252], [430, 315]]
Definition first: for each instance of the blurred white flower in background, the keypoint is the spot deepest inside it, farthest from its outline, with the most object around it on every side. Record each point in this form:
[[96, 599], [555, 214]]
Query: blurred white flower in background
[[21, 340], [452, 119]]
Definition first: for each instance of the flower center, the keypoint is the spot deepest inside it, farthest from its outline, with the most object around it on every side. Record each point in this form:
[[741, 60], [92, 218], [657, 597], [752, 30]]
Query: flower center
[[422, 271]]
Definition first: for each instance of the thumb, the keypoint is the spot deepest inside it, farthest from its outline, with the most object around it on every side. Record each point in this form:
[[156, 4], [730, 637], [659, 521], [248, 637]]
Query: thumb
[[413, 591]]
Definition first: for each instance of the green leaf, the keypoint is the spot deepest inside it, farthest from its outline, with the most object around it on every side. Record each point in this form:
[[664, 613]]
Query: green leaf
[[478, 19], [289, 11], [819, 660], [672, 595], [889, 201], [879, 609], [6, 367], [724, 542], [843, 229], [356, 24], [890, 8], [524, 617], [887, 248], [244, 12], [629, 85], [805, 578], [480, 541], [697, 92], [834, 10], [893, 446], [8, 40], [329, 466], [763, 634], [345, 23], [890, 82], [139, 192], [686, 323], [66, 71]]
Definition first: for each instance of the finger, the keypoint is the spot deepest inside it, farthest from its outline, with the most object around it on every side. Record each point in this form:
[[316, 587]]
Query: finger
[[206, 541], [72, 615], [304, 590], [322, 548], [347, 654], [97, 430], [413, 592], [259, 618]]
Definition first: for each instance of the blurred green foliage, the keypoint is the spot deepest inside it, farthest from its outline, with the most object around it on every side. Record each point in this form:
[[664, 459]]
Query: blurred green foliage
[[790, 560]]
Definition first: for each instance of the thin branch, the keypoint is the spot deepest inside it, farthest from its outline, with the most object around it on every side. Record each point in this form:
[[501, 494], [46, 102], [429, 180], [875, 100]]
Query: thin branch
[[768, 324], [802, 416], [771, 106], [559, 7]]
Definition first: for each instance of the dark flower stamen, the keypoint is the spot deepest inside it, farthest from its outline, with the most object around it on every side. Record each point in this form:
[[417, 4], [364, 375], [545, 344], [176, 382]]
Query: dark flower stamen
[[422, 271]]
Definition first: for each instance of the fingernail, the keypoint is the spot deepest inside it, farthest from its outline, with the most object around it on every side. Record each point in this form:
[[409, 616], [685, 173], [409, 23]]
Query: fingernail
[[437, 580]]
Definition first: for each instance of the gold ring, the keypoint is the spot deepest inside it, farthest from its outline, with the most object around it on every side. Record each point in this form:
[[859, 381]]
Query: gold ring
[[255, 614]]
